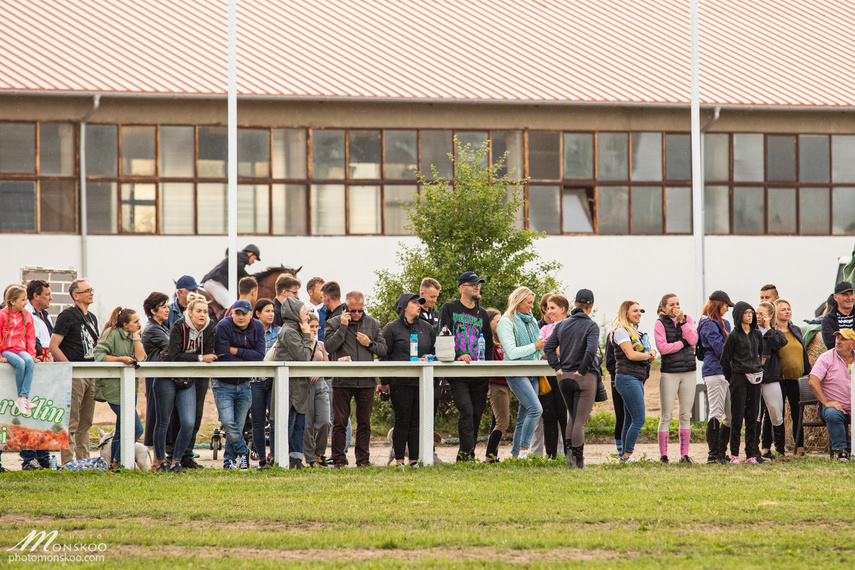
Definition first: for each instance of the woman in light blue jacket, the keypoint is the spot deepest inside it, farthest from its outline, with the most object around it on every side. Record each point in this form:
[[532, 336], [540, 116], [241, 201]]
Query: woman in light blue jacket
[[521, 340]]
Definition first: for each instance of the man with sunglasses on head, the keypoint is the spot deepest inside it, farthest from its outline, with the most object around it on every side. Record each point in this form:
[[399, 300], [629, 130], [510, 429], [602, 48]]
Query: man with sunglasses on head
[[353, 336], [75, 335], [467, 321]]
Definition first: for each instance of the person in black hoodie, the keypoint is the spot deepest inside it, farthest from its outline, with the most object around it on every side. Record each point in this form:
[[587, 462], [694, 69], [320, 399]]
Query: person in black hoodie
[[405, 391], [770, 388], [741, 365], [192, 339]]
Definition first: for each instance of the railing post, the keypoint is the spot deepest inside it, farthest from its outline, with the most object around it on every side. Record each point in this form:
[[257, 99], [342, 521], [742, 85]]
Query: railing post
[[426, 415], [128, 405], [281, 407]]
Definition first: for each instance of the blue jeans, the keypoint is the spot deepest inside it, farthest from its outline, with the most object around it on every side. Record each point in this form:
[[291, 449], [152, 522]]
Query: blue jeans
[[41, 455], [349, 433], [233, 402], [525, 388], [631, 389], [262, 398], [24, 364], [836, 422], [296, 429], [166, 397], [115, 445]]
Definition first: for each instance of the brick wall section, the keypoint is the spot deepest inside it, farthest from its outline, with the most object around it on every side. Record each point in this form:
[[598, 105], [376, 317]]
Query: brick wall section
[[59, 280]]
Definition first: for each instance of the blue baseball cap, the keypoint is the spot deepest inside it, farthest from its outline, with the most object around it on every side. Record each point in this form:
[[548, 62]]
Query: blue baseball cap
[[187, 282], [468, 277], [243, 306]]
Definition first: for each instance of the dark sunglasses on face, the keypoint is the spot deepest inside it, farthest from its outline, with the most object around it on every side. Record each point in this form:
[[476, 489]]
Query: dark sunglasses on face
[[351, 311]]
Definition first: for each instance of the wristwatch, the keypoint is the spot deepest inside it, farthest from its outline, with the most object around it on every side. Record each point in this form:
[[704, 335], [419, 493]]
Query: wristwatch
[[200, 358]]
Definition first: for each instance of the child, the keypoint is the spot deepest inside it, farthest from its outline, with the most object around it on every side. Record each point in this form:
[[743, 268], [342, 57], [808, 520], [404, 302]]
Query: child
[[741, 365], [18, 344]]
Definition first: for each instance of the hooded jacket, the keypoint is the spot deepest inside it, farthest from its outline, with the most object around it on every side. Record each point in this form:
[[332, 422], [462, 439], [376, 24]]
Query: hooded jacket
[[17, 331], [773, 341], [578, 338], [711, 337], [186, 343], [397, 335], [741, 351], [249, 343], [295, 346]]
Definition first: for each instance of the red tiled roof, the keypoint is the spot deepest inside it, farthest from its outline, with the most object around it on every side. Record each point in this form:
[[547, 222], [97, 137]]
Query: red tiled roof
[[776, 53]]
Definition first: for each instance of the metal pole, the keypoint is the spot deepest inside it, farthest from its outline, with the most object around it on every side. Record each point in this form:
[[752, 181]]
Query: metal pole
[[127, 412], [697, 173], [232, 138], [426, 415], [281, 409]]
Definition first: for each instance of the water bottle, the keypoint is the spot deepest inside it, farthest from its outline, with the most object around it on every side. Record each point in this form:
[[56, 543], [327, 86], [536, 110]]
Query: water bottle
[[53, 462], [444, 331], [414, 347], [481, 348]]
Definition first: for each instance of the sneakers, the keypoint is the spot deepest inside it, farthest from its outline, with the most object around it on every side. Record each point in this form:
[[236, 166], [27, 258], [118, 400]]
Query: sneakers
[[190, 463], [686, 459], [323, 462], [768, 456], [164, 467], [242, 462], [734, 460], [523, 454], [178, 468], [31, 465], [230, 465], [751, 460], [23, 405], [759, 459], [841, 456], [663, 459], [630, 459]]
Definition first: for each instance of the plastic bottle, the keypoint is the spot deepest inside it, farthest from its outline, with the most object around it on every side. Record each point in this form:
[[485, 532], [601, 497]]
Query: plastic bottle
[[445, 331], [414, 347], [53, 462], [637, 344], [481, 348]]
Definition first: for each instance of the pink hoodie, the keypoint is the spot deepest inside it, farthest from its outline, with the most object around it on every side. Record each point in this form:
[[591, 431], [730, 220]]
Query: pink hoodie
[[22, 336], [690, 333]]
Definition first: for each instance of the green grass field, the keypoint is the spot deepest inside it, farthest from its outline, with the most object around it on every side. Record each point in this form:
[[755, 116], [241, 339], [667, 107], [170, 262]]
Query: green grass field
[[792, 513]]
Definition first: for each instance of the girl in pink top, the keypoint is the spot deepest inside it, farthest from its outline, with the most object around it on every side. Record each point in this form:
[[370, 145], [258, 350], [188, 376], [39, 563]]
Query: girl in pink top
[[676, 337], [18, 344]]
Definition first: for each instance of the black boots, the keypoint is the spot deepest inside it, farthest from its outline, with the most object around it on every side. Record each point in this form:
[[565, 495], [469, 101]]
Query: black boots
[[568, 452], [724, 440], [779, 434], [713, 428], [579, 457]]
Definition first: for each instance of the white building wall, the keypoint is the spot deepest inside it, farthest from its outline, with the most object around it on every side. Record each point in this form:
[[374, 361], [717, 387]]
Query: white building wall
[[125, 269]]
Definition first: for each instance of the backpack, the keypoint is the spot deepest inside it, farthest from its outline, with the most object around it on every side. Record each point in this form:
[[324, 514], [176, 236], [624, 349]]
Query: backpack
[[700, 349]]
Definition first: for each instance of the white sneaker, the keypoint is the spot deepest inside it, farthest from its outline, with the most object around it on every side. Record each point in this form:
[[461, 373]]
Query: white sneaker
[[242, 462], [631, 459], [523, 454], [23, 406]]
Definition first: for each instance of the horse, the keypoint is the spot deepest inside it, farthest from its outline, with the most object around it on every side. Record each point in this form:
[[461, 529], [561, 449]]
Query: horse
[[266, 288]]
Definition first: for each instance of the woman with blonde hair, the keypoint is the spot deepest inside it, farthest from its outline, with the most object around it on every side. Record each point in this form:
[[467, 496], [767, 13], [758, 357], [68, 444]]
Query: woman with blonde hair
[[794, 365], [770, 386], [521, 340], [676, 338], [632, 367]]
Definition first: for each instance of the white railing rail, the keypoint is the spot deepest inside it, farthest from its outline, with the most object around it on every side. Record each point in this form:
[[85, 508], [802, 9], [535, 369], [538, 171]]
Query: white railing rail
[[281, 372]]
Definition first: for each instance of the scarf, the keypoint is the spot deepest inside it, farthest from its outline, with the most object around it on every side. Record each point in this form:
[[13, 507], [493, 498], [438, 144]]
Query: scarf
[[527, 333]]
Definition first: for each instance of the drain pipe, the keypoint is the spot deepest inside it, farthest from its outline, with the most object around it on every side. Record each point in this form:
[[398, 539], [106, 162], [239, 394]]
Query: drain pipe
[[711, 122], [84, 221]]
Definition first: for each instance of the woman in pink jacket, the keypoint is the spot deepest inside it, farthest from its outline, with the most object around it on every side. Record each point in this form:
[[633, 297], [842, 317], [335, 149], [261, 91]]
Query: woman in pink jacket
[[18, 344], [676, 337]]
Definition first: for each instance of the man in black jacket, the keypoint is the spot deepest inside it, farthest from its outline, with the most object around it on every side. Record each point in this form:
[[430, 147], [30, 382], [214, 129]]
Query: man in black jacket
[[429, 293], [843, 317], [467, 320], [578, 338], [216, 281]]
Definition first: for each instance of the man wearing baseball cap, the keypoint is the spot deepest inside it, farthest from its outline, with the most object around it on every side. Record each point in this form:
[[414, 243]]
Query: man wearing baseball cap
[[240, 338], [183, 287], [466, 320], [843, 317], [831, 383]]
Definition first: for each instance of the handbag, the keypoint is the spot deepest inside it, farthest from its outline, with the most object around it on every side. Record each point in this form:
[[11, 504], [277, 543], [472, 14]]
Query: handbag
[[545, 388], [444, 348], [182, 383], [602, 395], [444, 390]]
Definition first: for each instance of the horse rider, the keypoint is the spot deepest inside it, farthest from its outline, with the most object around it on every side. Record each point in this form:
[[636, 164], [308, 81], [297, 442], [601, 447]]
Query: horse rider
[[216, 281]]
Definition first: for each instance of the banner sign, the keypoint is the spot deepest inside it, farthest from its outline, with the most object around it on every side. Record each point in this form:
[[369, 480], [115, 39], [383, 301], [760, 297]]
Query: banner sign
[[46, 426]]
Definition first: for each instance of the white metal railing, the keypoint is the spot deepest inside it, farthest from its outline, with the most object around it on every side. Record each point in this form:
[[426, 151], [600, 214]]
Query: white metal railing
[[281, 372]]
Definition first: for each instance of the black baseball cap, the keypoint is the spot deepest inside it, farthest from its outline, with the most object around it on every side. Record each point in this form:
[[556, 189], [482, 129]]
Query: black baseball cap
[[721, 296], [585, 296], [469, 277], [843, 287]]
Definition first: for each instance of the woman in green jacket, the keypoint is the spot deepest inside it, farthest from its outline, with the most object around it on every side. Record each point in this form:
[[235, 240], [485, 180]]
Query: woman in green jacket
[[119, 342]]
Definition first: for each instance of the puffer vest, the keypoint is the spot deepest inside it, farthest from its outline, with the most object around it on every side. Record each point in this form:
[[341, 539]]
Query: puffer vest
[[684, 359], [637, 368]]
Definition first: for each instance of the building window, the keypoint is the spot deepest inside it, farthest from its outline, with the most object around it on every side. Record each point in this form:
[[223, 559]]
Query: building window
[[363, 155], [544, 209], [613, 210], [290, 210], [401, 154], [678, 210], [328, 154], [612, 156], [576, 210], [17, 206], [17, 148], [138, 156], [646, 156], [433, 155]]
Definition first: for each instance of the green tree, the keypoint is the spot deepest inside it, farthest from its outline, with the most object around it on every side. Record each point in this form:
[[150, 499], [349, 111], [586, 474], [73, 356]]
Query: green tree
[[467, 223]]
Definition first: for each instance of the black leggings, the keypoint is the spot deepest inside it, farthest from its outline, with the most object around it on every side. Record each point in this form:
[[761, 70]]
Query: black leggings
[[554, 415], [617, 401], [790, 388], [405, 403]]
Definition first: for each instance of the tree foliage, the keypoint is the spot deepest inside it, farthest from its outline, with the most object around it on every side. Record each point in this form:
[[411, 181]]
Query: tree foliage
[[467, 223]]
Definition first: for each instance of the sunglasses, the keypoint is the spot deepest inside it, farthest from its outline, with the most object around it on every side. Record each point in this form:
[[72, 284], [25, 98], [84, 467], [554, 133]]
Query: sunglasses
[[351, 311]]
